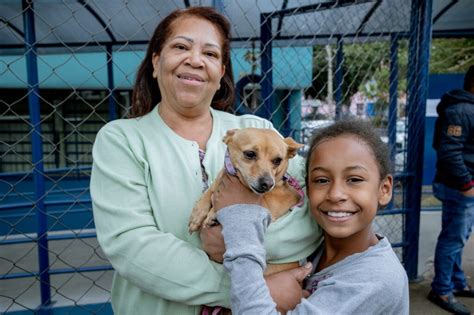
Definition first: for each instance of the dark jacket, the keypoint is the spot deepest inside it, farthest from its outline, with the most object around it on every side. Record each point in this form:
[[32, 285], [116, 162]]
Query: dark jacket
[[454, 140]]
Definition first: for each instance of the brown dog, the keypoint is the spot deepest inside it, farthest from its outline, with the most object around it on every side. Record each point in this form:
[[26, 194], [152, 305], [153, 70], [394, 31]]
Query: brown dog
[[259, 158]]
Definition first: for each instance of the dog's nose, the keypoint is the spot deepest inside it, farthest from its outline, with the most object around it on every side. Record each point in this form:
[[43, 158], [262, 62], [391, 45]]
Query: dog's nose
[[265, 183]]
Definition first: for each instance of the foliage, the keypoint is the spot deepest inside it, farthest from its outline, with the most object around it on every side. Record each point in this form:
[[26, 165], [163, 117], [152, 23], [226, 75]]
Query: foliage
[[451, 55], [366, 66]]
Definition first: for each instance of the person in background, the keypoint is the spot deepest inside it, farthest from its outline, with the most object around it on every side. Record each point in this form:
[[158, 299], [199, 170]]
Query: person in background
[[355, 271], [149, 170], [454, 186]]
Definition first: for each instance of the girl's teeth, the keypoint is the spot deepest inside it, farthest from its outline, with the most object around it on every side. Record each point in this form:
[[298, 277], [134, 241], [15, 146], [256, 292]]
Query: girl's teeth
[[339, 214]]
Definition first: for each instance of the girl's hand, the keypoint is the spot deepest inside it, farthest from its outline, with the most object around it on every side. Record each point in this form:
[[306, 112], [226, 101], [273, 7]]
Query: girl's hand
[[213, 242], [286, 287], [231, 191]]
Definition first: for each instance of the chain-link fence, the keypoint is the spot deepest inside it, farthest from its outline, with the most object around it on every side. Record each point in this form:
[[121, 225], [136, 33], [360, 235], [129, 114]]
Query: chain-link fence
[[67, 68]]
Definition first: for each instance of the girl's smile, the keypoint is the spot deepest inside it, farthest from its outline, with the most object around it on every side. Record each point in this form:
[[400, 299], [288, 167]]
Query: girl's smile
[[338, 215]]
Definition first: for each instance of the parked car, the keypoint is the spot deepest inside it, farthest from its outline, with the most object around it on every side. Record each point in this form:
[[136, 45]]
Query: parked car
[[308, 127]]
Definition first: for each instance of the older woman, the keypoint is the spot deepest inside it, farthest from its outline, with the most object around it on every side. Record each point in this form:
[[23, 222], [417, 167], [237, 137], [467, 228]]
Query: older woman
[[149, 171]]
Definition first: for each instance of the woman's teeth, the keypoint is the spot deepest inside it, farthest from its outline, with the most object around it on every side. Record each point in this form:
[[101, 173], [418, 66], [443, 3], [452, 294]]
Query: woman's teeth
[[185, 77]]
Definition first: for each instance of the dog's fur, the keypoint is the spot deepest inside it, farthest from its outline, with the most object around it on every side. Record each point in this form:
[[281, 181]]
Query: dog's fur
[[260, 157], [254, 154]]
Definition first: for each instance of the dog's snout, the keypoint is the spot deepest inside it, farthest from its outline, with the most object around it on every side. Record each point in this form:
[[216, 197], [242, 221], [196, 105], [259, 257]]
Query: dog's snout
[[265, 183]]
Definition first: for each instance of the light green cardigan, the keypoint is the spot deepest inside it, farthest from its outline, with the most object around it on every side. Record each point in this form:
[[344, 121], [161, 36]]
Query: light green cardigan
[[145, 181]]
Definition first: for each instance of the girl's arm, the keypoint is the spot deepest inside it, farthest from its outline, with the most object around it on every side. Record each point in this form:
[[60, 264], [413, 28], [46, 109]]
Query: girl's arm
[[243, 228]]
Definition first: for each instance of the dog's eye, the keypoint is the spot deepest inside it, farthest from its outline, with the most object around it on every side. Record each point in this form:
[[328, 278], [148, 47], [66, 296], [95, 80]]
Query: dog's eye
[[250, 155], [277, 161]]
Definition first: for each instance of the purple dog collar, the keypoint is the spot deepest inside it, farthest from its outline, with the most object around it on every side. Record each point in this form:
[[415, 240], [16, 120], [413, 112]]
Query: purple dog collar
[[294, 183], [228, 164], [287, 178]]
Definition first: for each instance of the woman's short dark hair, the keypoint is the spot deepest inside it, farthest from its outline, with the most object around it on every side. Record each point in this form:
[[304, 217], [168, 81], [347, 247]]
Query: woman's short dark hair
[[362, 130], [146, 93]]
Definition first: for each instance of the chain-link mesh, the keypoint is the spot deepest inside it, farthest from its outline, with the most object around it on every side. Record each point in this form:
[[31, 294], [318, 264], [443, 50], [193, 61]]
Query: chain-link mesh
[[329, 60]]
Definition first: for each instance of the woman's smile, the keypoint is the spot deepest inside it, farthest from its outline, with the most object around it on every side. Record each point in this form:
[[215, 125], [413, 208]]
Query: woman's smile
[[191, 79]]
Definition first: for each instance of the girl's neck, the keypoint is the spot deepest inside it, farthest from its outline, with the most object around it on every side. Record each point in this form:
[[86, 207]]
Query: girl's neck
[[336, 249], [193, 126]]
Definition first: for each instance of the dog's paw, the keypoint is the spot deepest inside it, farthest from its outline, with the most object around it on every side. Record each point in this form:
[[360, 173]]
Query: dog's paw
[[193, 227], [210, 219], [195, 223], [198, 215]]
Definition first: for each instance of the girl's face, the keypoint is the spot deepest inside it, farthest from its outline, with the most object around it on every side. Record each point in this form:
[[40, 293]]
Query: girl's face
[[344, 187], [189, 67]]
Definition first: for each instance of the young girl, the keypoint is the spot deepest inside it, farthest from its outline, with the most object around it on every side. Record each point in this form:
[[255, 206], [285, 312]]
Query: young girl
[[355, 271]]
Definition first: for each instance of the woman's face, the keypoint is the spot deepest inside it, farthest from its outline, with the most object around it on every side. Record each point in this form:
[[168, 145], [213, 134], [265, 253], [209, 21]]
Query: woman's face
[[189, 67]]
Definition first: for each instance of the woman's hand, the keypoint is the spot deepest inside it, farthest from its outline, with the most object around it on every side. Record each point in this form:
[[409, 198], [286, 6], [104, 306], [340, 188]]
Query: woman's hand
[[231, 191], [213, 242], [286, 287]]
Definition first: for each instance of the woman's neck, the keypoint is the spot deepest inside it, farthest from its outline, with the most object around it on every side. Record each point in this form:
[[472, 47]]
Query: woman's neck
[[336, 249], [191, 126]]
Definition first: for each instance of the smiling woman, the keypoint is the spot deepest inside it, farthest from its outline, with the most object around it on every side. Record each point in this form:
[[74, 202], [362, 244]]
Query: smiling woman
[[149, 171]]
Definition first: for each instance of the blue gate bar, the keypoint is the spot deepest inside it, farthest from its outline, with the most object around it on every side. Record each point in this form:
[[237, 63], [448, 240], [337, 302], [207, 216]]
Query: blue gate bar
[[266, 62], [110, 84], [64, 236], [218, 5], [418, 65], [56, 272], [393, 96], [37, 150], [339, 77]]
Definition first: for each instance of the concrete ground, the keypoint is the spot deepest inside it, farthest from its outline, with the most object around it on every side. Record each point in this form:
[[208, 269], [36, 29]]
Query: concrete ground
[[429, 230], [18, 294]]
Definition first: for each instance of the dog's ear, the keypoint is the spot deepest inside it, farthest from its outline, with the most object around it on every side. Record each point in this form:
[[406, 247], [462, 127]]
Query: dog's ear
[[293, 147], [229, 135]]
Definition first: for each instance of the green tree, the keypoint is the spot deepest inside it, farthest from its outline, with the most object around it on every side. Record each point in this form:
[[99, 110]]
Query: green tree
[[370, 62]]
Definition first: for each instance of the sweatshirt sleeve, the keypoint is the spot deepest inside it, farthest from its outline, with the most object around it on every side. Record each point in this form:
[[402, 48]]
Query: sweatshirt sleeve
[[159, 263], [243, 228]]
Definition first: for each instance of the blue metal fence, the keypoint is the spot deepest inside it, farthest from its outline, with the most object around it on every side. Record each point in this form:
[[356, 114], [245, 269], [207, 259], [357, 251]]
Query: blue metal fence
[[43, 205]]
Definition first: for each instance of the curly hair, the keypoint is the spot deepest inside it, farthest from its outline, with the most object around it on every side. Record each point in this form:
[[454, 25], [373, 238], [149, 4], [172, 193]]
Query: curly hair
[[362, 130]]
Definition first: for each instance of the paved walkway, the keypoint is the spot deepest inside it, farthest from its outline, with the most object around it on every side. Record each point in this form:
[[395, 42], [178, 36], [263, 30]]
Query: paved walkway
[[419, 305]]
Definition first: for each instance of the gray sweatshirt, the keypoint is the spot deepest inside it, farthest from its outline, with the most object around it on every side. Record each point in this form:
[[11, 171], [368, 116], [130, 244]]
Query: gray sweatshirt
[[371, 282]]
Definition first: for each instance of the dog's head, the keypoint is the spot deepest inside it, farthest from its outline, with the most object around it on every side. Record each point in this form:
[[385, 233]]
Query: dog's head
[[260, 156]]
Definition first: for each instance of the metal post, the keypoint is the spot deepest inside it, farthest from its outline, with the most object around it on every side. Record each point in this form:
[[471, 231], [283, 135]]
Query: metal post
[[339, 77], [266, 62], [110, 82], [418, 65], [37, 152], [218, 5], [393, 96]]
